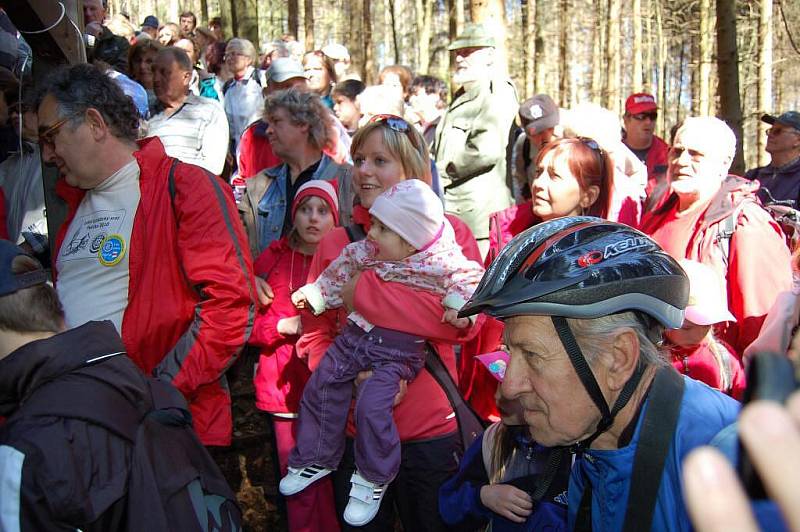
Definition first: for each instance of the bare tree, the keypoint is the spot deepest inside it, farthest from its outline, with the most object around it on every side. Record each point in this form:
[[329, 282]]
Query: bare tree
[[564, 59], [764, 77], [636, 21], [424, 12], [705, 46], [529, 45], [613, 61], [368, 68], [491, 13], [294, 20], [308, 24], [728, 66]]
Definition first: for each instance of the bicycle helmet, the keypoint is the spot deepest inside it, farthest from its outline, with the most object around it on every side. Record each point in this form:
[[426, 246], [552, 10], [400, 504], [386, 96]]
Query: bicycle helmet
[[583, 267]]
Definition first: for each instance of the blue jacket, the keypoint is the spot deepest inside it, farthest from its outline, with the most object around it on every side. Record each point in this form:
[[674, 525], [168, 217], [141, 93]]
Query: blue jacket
[[460, 500], [704, 412]]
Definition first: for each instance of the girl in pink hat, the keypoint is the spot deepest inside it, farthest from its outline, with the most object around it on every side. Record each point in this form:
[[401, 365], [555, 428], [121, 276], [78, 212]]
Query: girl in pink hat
[[695, 350], [281, 376], [411, 242]]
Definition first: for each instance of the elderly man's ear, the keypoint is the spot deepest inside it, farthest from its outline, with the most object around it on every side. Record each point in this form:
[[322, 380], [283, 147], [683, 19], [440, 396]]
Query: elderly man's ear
[[97, 125], [621, 358]]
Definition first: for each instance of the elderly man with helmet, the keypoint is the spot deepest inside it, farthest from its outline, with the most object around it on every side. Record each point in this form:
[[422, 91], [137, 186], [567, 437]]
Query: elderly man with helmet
[[585, 302]]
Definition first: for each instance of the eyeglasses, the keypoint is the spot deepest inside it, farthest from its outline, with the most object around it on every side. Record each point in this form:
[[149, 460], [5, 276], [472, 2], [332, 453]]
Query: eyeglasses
[[229, 55], [641, 117], [47, 137], [395, 123], [774, 130]]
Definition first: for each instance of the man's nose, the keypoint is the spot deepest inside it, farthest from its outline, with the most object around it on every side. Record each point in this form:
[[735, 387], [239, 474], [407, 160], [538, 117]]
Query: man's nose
[[515, 381]]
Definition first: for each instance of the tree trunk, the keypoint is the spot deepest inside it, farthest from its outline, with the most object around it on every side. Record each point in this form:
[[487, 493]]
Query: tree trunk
[[244, 20], [294, 18], [661, 52], [456, 18], [728, 67], [529, 46], [598, 29], [541, 57], [764, 77], [648, 48], [396, 45], [491, 13], [613, 57], [636, 85], [308, 24], [679, 88], [203, 12], [705, 58], [563, 55], [424, 13], [368, 69]]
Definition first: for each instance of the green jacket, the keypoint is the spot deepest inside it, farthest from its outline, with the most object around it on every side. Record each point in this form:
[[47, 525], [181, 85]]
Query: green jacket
[[470, 152]]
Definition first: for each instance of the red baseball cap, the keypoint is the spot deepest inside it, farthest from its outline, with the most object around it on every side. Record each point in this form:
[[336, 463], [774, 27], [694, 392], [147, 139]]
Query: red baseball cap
[[641, 102]]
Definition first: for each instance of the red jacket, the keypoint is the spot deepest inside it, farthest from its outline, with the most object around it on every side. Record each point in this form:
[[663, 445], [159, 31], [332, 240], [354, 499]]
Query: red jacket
[[711, 361], [281, 375], [425, 411], [191, 301], [757, 267]]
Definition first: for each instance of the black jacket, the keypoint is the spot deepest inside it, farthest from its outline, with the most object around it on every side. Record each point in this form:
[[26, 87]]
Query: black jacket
[[68, 473]]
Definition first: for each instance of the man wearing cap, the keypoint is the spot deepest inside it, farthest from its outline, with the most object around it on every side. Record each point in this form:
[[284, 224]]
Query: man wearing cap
[[639, 119], [538, 117], [150, 26], [714, 218], [781, 177], [341, 60], [150, 243], [471, 139], [192, 128]]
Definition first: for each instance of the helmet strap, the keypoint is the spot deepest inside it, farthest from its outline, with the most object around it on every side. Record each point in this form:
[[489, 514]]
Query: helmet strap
[[590, 383]]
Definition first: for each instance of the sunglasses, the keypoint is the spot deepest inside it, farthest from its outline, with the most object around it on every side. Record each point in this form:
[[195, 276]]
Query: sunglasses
[[595, 147], [395, 123], [641, 117], [47, 137]]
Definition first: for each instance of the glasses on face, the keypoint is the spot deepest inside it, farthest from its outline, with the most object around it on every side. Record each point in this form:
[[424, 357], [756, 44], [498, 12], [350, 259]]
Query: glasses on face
[[47, 137], [231, 55], [776, 130], [641, 117]]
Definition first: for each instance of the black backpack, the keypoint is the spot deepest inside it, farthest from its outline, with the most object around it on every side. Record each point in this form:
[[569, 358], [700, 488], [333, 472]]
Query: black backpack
[[172, 475]]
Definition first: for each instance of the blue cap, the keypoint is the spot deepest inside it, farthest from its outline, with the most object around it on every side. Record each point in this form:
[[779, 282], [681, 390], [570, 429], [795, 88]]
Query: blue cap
[[10, 282], [151, 21]]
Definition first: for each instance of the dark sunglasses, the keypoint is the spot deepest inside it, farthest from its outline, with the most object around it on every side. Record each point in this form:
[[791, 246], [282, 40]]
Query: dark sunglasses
[[640, 117], [595, 147], [395, 123]]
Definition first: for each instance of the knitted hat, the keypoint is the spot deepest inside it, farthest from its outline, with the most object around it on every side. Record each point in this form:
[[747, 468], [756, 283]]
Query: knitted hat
[[413, 211], [321, 189]]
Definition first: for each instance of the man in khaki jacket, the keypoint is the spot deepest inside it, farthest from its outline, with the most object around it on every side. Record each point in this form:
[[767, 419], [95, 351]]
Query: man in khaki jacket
[[472, 137]]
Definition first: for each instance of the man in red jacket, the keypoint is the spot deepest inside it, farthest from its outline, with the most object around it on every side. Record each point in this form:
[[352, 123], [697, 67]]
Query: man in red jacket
[[639, 119], [149, 243]]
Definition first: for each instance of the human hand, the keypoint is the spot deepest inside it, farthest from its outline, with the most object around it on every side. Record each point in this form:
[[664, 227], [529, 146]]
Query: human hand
[[290, 326], [264, 292], [451, 316], [299, 299], [714, 495], [364, 375], [349, 292], [507, 501]]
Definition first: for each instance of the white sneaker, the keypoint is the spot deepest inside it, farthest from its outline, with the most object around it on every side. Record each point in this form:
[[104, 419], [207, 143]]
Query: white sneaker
[[299, 479], [365, 500]]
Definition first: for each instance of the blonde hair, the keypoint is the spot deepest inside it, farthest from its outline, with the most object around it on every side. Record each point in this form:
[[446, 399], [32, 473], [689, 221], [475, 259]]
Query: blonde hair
[[413, 155]]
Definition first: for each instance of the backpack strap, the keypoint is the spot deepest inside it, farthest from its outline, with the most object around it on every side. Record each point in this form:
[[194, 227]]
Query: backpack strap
[[655, 439], [487, 444], [726, 229]]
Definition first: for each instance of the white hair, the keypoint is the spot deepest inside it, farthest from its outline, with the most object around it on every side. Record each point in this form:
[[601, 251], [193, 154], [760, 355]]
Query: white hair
[[716, 131], [596, 335]]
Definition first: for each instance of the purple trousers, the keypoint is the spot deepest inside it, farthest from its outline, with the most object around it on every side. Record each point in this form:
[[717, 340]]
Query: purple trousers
[[392, 356]]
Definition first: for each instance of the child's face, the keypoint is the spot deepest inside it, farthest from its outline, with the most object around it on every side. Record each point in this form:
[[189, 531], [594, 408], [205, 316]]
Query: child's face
[[313, 220], [375, 169], [346, 111], [688, 335], [389, 246]]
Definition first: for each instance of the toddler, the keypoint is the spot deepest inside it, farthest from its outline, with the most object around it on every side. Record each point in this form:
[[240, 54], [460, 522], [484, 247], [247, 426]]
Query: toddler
[[410, 241]]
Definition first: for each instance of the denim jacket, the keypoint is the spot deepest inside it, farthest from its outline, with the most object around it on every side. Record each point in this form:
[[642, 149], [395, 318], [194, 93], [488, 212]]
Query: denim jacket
[[266, 223]]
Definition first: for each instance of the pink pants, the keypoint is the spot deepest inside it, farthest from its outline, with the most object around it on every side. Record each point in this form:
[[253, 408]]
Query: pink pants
[[311, 510]]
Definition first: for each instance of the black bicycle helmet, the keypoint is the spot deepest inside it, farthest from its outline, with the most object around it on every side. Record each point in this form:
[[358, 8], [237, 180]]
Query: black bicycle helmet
[[583, 267]]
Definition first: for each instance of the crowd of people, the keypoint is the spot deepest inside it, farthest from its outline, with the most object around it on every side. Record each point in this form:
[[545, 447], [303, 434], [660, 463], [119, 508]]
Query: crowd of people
[[408, 265]]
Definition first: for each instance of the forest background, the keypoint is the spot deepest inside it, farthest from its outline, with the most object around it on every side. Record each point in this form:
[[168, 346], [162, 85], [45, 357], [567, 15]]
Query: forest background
[[734, 59]]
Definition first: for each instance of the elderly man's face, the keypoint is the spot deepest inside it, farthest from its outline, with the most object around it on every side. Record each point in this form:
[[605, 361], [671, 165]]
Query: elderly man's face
[[696, 165], [473, 64], [93, 11], [782, 138], [170, 83], [66, 147], [540, 376]]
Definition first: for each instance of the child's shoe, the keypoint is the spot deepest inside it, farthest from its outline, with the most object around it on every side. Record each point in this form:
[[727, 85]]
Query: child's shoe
[[365, 500], [299, 479]]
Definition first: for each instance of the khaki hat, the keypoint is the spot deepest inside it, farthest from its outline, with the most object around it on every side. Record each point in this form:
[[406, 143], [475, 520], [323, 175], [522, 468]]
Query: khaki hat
[[473, 36]]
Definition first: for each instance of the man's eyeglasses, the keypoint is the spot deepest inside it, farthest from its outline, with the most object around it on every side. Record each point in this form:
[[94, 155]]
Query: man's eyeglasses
[[641, 117], [47, 137], [775, 130]]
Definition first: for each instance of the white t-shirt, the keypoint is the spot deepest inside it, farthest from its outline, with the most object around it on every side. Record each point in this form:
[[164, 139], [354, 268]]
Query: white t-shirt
[[93, 266]]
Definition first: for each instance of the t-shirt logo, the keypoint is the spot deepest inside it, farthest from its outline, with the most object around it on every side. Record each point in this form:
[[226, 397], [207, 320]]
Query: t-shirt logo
[[112, 250]]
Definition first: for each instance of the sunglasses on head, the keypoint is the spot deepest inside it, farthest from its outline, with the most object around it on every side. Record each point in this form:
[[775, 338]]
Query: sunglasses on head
[[395, 123], [595, 147]]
